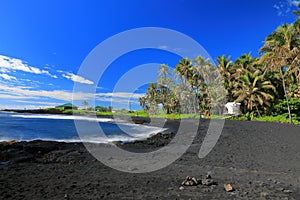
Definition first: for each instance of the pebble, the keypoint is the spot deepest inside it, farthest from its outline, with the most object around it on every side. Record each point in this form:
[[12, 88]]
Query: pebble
[[263, 194], [208, 182], [280, 189], [190, 181], [287, 191], [208, 176], [228, 188], [181, 188]]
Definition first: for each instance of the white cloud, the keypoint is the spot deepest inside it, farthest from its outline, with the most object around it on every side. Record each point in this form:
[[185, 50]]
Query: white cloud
[[115, 100], [10, 96], [294, 3], [23, 93], [7, 77], [8, 63], [284, 7], [163, 47], [168, 48], [76, 78], [3, 70], [118, 97], [276, 7], [36, 98], [37, 102], [31, 96], [21, 107], [126, 95]]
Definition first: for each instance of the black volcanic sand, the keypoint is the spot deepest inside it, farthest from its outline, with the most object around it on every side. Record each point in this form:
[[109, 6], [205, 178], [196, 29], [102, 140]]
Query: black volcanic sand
[[260, 160]]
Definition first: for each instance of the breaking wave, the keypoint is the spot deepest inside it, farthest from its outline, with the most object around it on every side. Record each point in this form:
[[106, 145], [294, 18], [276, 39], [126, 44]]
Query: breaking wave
[[61, 128]]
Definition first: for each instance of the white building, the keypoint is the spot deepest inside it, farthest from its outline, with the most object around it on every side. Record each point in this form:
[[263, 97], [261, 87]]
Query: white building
[[233, 108]]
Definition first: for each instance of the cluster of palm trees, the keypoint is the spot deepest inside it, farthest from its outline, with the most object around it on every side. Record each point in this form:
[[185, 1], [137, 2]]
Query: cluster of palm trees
[[197, 85]]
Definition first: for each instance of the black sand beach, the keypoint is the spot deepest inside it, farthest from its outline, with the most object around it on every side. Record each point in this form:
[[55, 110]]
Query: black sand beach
[[260, 160]]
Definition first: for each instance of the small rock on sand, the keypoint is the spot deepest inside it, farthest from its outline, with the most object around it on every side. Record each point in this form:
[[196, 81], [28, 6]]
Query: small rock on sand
[[228, 188], [190, 181]]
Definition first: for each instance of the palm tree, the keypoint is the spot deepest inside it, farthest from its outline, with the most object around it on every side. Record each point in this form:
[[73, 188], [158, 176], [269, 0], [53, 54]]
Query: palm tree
[[297, 12], [253, 90], [244, 62], [186, 72], [184, 69], [202, 71], [85, 104], [281, 53], [226, 70], [225, 66], [143, 103], [164, 83], [164, 70], [153, 97]]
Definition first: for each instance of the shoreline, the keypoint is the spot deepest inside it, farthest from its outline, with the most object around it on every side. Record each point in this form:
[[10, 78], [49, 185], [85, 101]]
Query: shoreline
[[133, 119], [129, 119], [166, 130]]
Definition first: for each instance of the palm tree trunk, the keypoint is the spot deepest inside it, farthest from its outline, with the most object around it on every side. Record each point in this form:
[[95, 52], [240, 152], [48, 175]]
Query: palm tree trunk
[[286, 96], [257, 111]]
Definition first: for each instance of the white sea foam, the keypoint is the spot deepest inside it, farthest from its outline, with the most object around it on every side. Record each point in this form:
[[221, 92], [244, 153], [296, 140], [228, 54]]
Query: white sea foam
[[88, 139], [140, 131], [134, 131]]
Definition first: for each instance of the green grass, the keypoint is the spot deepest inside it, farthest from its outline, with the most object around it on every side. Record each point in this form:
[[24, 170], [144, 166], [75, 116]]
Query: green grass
[[160, 115], [103, 113], [141, 113], [279, 118], [79, 112], [54, 109]]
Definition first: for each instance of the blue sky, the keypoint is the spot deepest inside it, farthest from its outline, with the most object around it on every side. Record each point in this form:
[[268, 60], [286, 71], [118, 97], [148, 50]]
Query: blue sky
[[43, 43]]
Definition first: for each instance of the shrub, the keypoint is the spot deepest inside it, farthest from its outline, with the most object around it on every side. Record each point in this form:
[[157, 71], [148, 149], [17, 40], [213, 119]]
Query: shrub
[[281, 107]]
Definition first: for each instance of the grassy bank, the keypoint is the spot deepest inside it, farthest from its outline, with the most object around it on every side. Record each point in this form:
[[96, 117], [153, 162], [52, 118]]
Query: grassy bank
[[283, 118], [278, 118]]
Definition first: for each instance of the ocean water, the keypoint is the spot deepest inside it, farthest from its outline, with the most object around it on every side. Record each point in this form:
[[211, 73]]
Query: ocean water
[[27, 127]]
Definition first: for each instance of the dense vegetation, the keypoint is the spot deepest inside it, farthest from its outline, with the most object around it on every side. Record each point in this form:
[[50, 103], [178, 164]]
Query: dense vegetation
[[265, 86]]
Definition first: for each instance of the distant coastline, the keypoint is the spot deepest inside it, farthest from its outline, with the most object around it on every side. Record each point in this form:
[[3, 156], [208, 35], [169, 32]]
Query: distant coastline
[[130, 119]]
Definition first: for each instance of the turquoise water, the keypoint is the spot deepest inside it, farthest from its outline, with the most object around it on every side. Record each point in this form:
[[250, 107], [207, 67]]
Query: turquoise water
[[27, 127]]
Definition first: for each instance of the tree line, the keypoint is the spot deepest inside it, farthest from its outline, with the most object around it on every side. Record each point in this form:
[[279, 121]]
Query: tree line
[[264, 85]]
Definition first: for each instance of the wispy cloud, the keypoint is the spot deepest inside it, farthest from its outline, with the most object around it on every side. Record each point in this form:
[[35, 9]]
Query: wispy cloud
[[11, 96], [27, 106], [19, 94], [285, 7], [19, 89], [13, 64], [76, 78], [125, 95], [165, 47], [3, 70], [37, 102], [294, 3], [118, 97], [168, 48], [23, 93], [7, 77]]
